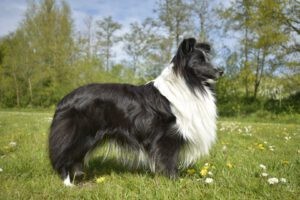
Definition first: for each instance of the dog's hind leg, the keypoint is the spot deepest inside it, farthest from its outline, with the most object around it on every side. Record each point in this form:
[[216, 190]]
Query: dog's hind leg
[[71, 137], [166, 155]]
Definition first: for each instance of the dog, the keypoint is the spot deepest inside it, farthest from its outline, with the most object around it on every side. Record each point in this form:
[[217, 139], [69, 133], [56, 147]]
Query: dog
[[166, 124]]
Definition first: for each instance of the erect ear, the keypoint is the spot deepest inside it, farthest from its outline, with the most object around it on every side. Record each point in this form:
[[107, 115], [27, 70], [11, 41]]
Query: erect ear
[[187, 45], [204, 46]]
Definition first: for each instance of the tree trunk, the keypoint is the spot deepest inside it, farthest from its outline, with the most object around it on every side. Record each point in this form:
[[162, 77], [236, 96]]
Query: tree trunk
[[107, 59], [177, 33], [259, 72], [246, 64], [30, 89], [202, 35], [17, 89]]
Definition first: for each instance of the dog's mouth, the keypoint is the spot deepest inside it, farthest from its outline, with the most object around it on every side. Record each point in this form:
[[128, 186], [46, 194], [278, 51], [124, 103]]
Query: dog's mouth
[[218, 74]]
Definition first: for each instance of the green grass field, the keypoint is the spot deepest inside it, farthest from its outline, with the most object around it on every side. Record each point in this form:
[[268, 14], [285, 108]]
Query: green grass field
[[233, 165]]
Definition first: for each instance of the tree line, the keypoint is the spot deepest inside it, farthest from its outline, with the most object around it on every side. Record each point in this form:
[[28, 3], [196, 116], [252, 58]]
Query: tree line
[[255, 41]]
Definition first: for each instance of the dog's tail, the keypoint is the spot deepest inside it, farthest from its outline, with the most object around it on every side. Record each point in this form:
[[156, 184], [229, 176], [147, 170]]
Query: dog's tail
[[61, 139]]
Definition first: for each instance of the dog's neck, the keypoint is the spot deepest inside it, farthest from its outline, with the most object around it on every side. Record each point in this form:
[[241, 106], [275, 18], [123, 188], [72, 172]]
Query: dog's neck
[[195, 114]]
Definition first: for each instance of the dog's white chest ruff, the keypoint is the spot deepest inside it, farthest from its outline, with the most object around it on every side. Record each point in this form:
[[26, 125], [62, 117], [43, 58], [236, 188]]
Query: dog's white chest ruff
[[195, 114]]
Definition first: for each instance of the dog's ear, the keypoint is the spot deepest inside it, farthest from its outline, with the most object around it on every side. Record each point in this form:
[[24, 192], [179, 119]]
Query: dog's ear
[[180, 59], [204, 46], [187, 45]]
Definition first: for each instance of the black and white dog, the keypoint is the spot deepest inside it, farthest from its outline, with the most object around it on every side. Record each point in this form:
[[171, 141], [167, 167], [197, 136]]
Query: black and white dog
[[167, 123]]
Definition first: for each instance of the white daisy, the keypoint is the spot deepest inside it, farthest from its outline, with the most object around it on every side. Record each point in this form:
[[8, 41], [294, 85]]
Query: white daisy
[[263, 166], [13, 144], [209, 180], [283, 180], [264, 174], [273, 181], [1, 170], [287, 138]]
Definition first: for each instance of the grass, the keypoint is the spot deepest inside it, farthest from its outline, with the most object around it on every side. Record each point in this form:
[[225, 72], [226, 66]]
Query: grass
[[234, 161]]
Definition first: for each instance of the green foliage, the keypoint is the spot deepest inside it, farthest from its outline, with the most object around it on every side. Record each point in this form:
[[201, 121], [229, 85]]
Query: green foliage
[[44, 58], [106, 29], [263, 34], [41, 62]]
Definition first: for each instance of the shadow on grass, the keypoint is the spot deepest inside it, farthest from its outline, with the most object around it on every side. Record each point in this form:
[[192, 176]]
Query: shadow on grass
[[99, 167]]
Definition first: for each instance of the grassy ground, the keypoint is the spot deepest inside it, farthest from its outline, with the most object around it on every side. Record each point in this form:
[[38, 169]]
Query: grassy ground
[[233, 166]]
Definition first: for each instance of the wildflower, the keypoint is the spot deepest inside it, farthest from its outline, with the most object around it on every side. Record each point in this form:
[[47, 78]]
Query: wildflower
[[285, 162], [262, 166], [229, 165], [12, 144], [287, 138], [271, 148], [100, 180], [273, 181], [203, 172], [209, 180], [283, 180], [1, 170], [264, 174], [191, 171], [260, 146], [224, 148], [204, 169], [210, 173]]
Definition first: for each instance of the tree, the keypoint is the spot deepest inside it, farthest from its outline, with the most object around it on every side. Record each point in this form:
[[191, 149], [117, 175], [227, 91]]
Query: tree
[[49, 28], [237, 18], [261, 38], [200, 8], [106, 29], [140, 42], [175, 16], [39, 56], [12, 46]]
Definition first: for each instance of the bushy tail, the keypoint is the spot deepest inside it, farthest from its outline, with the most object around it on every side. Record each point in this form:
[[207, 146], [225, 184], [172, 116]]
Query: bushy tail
[[61, 139]]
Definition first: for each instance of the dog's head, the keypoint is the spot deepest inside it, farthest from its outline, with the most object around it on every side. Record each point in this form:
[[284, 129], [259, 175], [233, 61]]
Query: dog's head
[[193, 63]]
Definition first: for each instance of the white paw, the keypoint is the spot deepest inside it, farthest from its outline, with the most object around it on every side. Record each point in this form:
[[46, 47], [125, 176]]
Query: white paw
[[67, 182]]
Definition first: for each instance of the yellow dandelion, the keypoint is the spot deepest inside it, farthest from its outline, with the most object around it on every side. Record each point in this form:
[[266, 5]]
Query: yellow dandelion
[[100, 179], [285, 162], [203, 172], [260, 147], [191, 171], [229, 165]]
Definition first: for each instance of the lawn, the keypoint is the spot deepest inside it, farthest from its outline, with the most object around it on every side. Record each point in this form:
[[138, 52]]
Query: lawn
[[241, 164]]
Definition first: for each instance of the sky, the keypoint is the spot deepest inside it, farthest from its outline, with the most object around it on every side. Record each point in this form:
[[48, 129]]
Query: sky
[[122, 11]]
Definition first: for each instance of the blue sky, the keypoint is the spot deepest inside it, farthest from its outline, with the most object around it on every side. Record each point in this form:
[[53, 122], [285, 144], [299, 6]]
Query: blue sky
[[123, 11]]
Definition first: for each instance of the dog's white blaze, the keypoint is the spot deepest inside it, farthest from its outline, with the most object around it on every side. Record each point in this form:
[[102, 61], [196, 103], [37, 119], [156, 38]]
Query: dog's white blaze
[[195, 114], [67, 182]]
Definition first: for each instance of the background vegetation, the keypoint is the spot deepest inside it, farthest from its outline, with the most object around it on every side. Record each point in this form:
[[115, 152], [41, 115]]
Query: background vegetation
[[45, 57]]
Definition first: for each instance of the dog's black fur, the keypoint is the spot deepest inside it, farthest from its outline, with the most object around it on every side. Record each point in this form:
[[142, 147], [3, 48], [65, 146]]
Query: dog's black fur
[[135, 117]]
